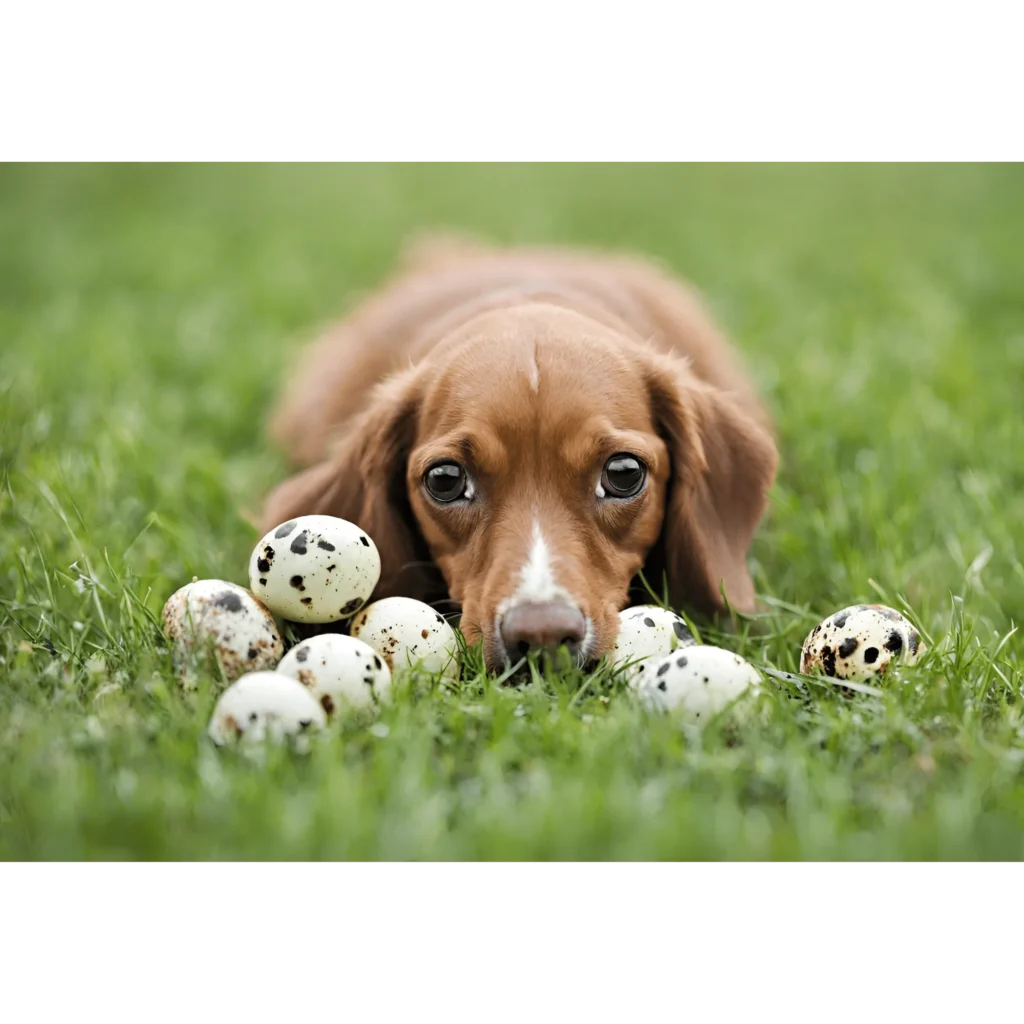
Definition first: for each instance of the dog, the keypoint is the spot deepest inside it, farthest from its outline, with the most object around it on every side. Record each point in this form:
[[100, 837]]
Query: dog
[[524, 430]]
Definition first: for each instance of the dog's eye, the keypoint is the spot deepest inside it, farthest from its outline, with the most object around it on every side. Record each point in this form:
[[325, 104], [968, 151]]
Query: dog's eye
[[623, 476], [446, 481]]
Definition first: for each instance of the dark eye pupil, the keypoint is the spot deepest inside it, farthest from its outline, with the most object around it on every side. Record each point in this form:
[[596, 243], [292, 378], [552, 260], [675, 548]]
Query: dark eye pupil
[[446, 481], [623, 476]]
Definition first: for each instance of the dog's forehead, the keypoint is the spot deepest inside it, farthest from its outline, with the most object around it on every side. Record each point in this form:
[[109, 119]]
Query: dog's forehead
[[547, 368]]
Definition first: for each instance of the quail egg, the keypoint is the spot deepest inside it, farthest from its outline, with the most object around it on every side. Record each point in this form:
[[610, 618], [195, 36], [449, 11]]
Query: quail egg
[[699, 681], [405, 632], [264, 705], [647, 631], [338, 669], [860, 642], [314, 569], [217, 615]]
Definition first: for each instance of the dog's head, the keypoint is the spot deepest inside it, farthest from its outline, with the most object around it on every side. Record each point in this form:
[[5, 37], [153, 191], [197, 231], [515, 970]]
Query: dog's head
[[539, 459]]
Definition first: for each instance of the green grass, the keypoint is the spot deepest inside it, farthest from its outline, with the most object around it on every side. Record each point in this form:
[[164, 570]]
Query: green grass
[[146, 319]]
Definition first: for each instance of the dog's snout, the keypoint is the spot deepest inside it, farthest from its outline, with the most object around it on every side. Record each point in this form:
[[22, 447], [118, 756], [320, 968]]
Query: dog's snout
[[542, 624]]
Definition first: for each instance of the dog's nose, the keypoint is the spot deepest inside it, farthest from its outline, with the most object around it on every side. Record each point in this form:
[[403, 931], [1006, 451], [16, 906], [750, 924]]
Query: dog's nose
[[542, 624]]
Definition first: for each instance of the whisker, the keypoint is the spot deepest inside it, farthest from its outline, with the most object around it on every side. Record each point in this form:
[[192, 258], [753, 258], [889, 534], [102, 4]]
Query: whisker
[[583, 650]]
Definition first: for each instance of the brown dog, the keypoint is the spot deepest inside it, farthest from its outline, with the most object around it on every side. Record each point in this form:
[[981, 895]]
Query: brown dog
[[538, 426]]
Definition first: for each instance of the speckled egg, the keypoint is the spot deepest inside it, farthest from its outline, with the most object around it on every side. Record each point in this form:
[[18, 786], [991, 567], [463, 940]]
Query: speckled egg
[[698, 681], [217, 615], [264, 705], [405, 632], [314, 569], [338, 669], [647, 631], [860, 642]]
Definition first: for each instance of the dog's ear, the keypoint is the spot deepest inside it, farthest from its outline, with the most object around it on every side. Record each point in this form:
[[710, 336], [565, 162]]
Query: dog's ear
[[363, 481], [723, 463]]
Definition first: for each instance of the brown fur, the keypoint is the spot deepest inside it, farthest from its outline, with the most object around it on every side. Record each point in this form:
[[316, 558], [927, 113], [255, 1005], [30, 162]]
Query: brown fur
[[442, 362]]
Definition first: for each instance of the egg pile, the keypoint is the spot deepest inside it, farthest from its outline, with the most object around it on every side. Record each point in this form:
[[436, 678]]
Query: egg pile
[[311, 570]]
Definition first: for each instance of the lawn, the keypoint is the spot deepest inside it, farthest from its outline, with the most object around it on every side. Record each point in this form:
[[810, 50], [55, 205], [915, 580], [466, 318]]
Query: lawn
[[147, 315]]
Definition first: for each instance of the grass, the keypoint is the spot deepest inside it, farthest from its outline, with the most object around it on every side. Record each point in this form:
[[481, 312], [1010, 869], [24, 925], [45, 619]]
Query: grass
[[147, 315]]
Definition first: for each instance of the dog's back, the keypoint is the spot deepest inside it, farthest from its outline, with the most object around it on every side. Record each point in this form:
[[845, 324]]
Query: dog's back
[[445, 280]]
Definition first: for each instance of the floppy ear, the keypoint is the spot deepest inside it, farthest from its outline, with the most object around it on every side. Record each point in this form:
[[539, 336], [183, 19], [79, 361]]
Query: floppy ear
[[723, 463], [363, 480]]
